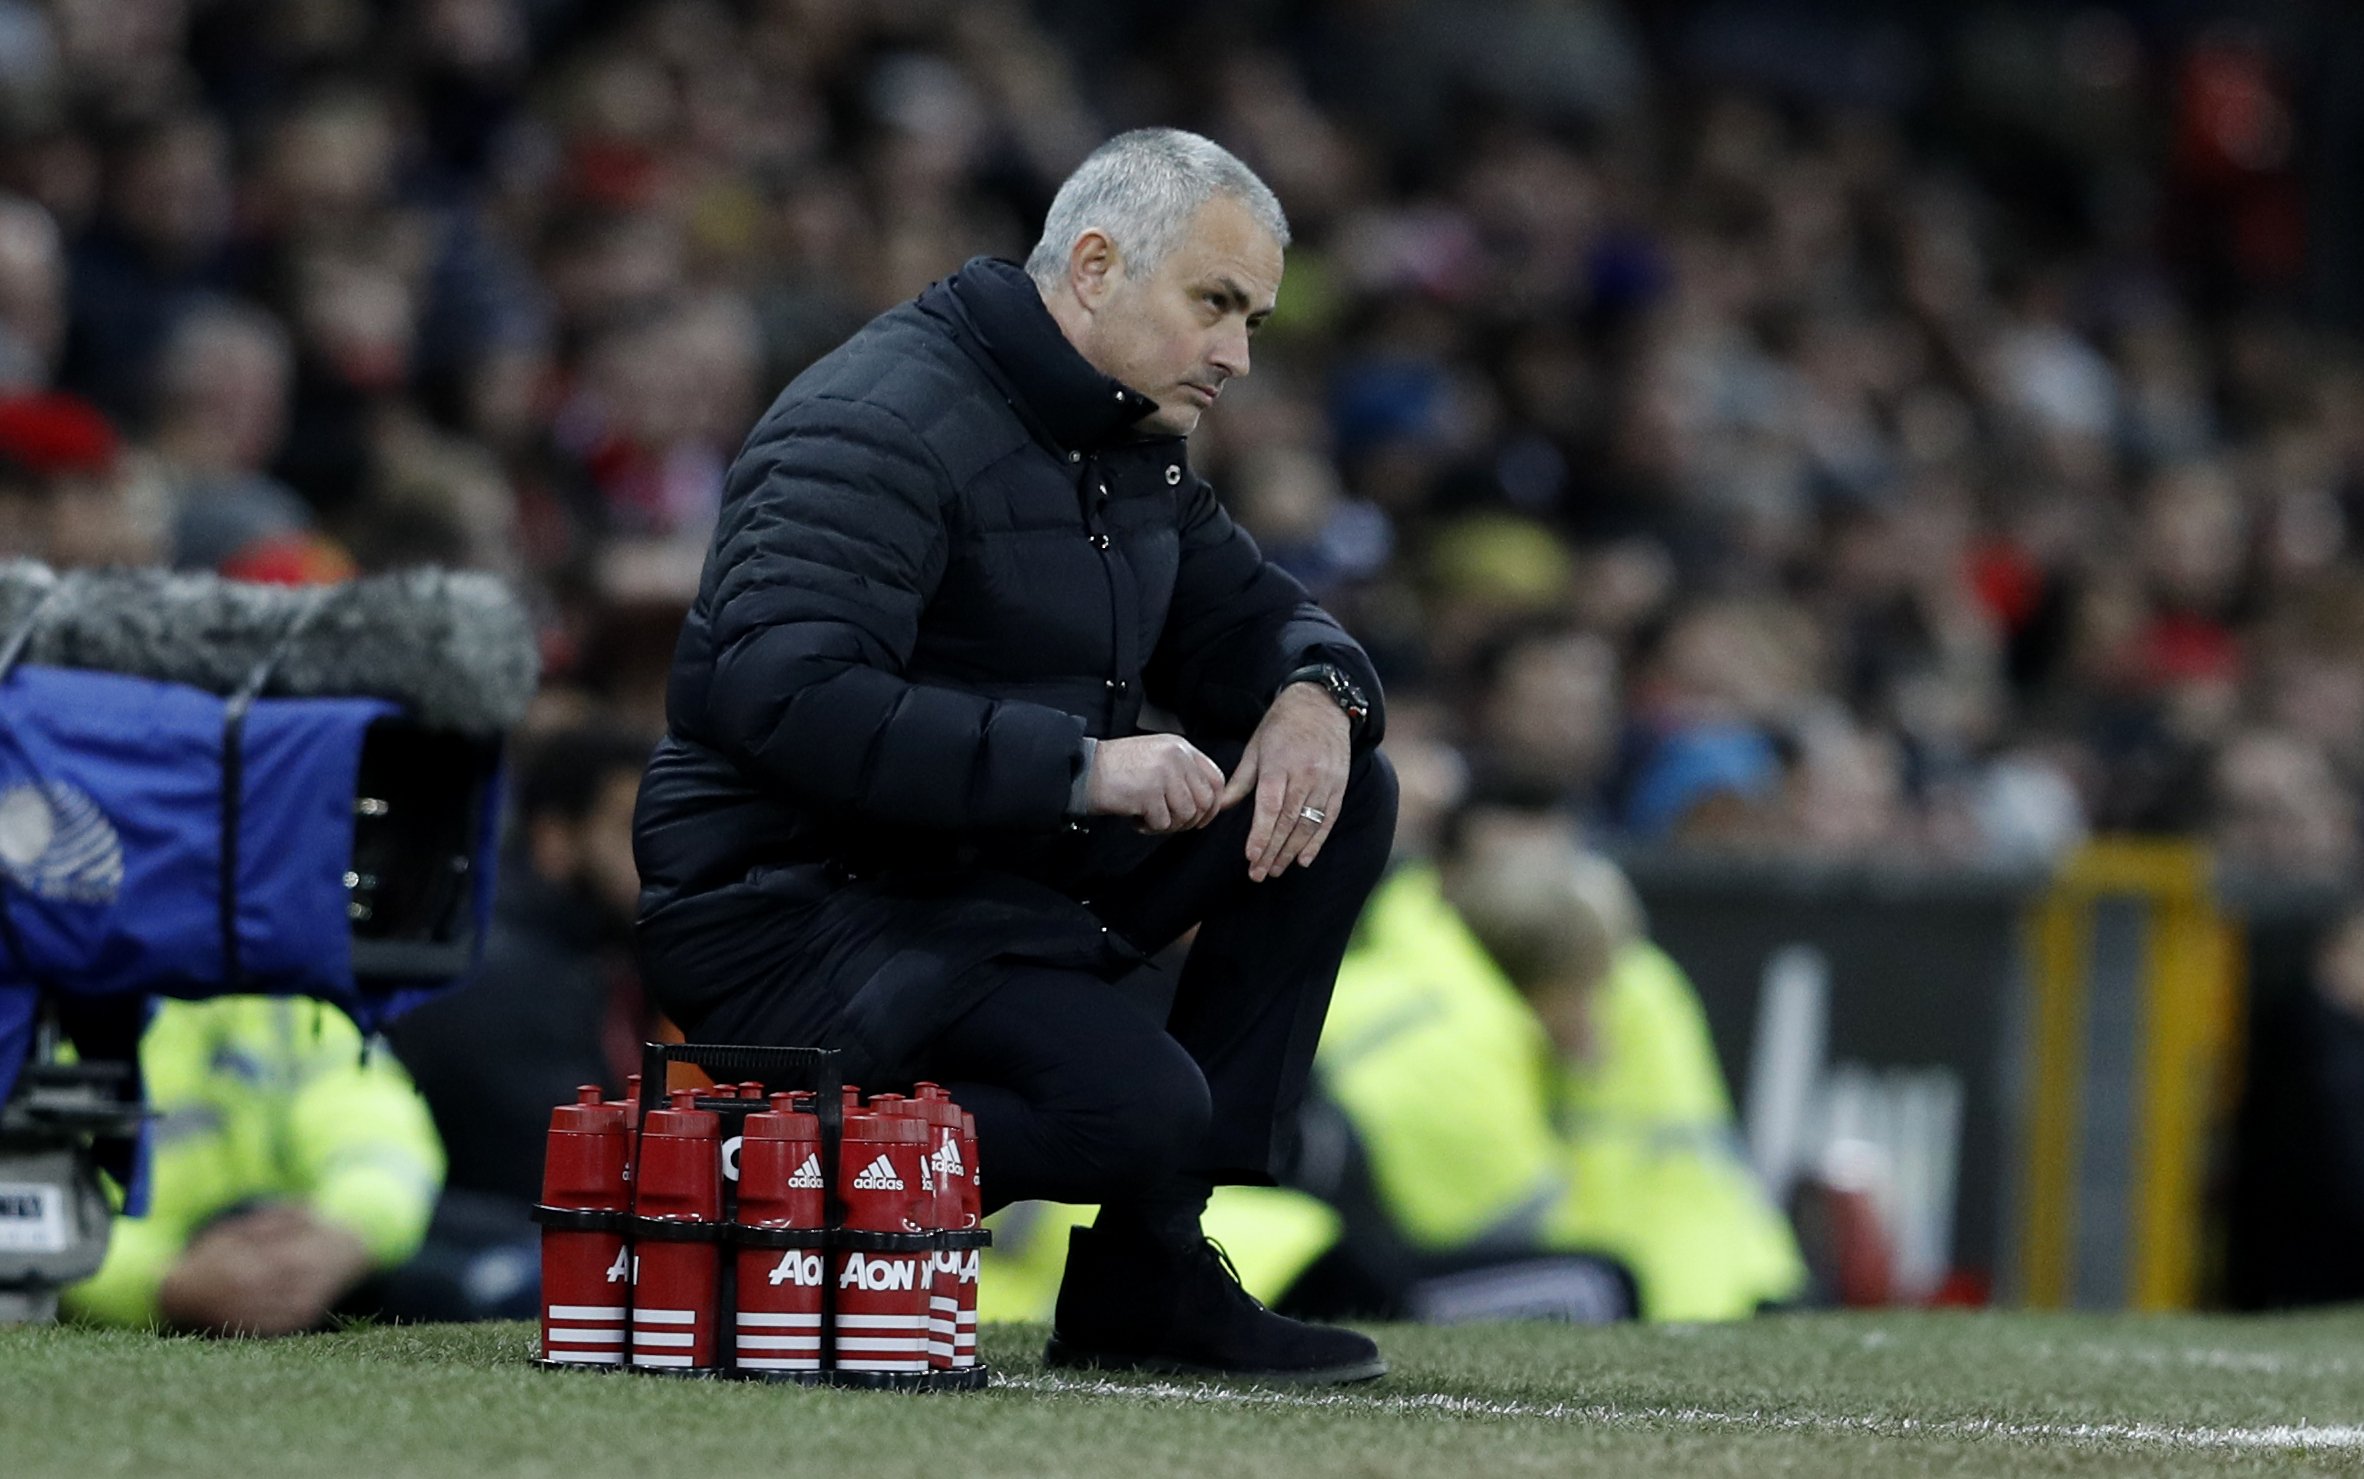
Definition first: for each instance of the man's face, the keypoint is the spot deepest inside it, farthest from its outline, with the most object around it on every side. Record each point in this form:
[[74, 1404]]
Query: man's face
[[1554, 711], [594, 854], [1178, 333]]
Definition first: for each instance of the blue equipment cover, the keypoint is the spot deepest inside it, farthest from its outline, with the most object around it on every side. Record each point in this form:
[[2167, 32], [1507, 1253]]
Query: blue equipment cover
[[18, 1005], [113, 834]]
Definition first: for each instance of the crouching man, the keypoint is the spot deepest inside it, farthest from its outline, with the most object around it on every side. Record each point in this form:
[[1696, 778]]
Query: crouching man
[[906, 809]]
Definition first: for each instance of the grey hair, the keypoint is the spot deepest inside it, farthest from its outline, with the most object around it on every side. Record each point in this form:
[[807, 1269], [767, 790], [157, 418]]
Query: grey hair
[[1142, 188]]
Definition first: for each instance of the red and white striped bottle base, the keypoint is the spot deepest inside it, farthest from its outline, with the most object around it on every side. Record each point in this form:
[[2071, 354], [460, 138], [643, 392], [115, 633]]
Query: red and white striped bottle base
[[943, 1323], [659, 1339], [583, 1334], [888, 1343], [778, 1342]]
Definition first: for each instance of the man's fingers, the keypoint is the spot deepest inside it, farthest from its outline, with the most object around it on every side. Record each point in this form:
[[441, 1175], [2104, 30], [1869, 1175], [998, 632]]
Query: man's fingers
[[1186, 799], [1276, 807], [1292, 848], [1243, 780], [1261, 832], [1205, 782], [1321, 834]]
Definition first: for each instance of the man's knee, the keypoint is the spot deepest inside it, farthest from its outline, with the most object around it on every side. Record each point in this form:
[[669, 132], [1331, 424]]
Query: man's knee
[[1150, 1122], [1366, 820], [1371, 789]]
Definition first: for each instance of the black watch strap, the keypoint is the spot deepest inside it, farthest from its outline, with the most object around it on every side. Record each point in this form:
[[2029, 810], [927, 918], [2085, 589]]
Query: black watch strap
[[1342, 690]]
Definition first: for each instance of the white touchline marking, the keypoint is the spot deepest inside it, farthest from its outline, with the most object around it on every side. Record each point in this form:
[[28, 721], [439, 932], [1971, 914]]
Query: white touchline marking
[[2257, 1363], [2206, 1358], [2280, 1435]]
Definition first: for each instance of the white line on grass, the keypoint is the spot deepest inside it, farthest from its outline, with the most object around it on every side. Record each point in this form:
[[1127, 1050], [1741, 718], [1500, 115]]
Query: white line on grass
[[2248, 1363], [2207, 1358], [1438, 1404]]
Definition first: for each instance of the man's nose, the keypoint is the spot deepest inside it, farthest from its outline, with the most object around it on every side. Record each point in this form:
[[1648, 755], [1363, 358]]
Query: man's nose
[[1231, 353]]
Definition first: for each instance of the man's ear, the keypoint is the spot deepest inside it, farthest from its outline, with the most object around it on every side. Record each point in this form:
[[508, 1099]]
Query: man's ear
[[1093, 266]]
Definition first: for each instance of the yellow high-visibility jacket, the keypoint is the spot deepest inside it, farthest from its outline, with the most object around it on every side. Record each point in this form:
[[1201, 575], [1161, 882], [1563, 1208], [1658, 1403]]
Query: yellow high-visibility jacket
[[266, 1098], [1446, 1075], [1655, 1158], [1478, 1137]]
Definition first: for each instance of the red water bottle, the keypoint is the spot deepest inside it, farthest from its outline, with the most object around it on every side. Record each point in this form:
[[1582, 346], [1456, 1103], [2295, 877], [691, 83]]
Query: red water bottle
[[925, 1197], [630, 1106], [932, 1103], [881, 1268], [677, 1201], [782, 1207], [972, 1220], [585, 1259]]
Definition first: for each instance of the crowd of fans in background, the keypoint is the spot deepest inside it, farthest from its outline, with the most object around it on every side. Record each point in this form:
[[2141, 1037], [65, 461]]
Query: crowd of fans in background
[[1746, 465]]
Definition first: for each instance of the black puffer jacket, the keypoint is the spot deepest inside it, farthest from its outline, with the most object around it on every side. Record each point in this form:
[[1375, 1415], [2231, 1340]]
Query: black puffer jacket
[[943, 560]]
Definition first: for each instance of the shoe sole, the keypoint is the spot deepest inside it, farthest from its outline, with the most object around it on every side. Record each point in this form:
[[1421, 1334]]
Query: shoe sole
[[1059, 1354]]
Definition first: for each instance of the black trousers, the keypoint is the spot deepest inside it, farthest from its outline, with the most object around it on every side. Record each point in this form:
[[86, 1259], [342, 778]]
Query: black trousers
[[1084, 1092]]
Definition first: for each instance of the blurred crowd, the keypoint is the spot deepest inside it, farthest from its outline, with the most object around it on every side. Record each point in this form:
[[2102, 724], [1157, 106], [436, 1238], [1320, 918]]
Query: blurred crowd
[[1703, 438]]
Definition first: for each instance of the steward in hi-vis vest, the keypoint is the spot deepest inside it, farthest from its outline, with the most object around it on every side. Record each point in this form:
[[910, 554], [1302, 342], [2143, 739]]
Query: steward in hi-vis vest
[[289, 1165], [1483, 1143]]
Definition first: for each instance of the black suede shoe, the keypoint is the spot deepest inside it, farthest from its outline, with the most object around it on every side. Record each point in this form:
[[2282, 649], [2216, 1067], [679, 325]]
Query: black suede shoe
[[1127, 1305]]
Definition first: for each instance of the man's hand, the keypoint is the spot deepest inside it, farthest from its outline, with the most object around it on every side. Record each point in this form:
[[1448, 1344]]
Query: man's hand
[[274, 1271], [1160, 780], [1295, 761]]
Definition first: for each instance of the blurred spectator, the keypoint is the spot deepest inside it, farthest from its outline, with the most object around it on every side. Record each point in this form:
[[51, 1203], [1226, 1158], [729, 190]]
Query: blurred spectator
[[2278, 806], [68, 496], [663, 402], [163, 242], [1587, 1168], [32, 295], [1650, 1147], [220, 414], [290, 1165], [1549, 718]]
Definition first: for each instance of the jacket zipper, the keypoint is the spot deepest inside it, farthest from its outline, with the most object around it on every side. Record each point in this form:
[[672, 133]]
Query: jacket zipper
[[1093, 493]]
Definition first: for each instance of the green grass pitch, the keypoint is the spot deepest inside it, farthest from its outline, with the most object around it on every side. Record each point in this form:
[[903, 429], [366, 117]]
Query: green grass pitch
[[1838, 1395]]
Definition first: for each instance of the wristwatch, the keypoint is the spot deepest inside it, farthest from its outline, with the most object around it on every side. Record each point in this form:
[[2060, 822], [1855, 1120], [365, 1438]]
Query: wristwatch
[[1342, 690]]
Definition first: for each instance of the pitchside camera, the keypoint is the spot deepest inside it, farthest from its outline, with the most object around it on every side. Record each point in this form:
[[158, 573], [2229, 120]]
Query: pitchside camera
[[209, 788]]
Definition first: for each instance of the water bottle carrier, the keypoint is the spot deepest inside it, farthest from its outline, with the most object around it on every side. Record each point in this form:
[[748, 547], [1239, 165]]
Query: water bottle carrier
[[811, 1071]]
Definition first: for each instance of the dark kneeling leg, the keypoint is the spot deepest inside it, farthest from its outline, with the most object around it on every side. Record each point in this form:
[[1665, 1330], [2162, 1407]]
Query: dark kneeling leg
[[1079, 1096], [1256, 986], [1143, 1289]]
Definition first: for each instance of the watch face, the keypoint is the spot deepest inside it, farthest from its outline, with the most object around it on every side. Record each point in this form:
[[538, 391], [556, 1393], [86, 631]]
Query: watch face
[[1340, 688], [1348, 697]]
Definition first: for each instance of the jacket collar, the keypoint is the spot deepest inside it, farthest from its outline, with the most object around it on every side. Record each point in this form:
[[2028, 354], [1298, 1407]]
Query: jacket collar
[[1002, 312]]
